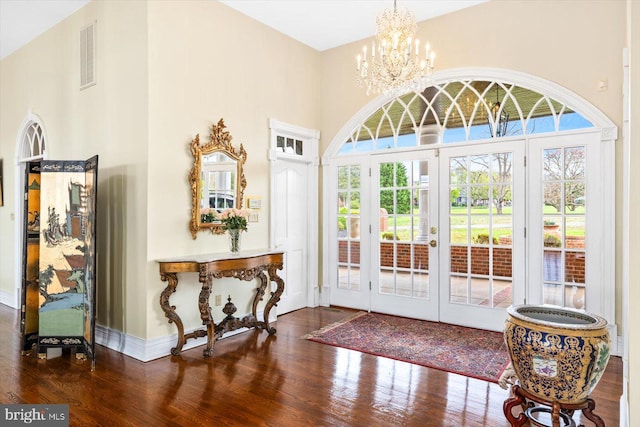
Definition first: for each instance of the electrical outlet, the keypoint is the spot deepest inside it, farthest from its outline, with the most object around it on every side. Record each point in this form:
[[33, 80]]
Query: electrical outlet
[[218, 300]]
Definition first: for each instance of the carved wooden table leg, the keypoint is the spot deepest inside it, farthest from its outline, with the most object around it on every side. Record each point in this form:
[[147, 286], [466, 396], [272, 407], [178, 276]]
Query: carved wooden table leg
[[507, 407], [259, 293], [275, 296], [205, 309], [170, 310], [588, 412]]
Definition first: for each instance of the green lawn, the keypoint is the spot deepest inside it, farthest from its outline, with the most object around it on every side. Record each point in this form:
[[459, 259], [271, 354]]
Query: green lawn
[[479, 221]]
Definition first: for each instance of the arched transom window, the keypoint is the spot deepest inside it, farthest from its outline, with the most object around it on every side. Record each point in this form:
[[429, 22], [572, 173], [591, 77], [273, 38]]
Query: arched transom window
[[462, 110], [33, 141]]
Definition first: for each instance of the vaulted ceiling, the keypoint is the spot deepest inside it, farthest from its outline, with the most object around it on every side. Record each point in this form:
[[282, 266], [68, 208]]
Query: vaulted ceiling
[[320, 24]]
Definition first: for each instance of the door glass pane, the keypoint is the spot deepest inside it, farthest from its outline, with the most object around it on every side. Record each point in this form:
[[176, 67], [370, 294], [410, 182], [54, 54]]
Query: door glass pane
[[459, 289], [459, 259], [574, 297], [502, 295], [552, 294], [552, 169], [404, 228], [480, 290], [481, 228], [574, 197], [348, 227], [564, 219], [459, 229]]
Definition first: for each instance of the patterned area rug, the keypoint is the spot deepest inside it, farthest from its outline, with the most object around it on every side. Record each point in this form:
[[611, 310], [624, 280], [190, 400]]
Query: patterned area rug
[[470, 352]]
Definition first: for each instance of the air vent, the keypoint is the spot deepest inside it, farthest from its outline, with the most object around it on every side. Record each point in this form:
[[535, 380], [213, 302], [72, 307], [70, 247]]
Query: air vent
[[88, 56]]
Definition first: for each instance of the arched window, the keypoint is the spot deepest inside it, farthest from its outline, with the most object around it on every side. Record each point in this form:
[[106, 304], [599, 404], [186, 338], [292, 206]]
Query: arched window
[[33, 140], [459, 111]]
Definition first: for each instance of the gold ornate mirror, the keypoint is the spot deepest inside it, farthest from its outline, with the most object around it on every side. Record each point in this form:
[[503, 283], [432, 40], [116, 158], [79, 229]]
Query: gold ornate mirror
[[217, 179]]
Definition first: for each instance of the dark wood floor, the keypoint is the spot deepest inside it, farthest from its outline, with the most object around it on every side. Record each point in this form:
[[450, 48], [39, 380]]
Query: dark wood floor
[[257, 380]]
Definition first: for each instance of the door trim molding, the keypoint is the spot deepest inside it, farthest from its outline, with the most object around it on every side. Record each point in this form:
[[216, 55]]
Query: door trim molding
[[310, 140]]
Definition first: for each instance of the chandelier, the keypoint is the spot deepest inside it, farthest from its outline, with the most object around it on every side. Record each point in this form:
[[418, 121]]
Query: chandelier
[[500, 118], [395, 66], [471, 108]]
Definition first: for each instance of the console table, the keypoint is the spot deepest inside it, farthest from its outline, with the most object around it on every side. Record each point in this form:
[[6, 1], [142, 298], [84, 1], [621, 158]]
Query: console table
[[244, 265]]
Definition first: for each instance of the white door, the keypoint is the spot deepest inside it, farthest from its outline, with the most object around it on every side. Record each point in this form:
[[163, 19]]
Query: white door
[[566, 212], [482, 232], [404, 234], [290, 219], [349, 220]]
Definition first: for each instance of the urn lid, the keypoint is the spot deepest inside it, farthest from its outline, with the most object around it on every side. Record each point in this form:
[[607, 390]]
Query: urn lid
[[557, 317]]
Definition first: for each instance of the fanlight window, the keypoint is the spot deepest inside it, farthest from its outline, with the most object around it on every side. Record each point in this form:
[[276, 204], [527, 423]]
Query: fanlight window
[[33, 141], [459, 111]]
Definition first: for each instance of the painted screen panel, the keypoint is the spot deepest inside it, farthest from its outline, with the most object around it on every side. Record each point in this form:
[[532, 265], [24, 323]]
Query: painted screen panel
[[62, 250], [30, 258]]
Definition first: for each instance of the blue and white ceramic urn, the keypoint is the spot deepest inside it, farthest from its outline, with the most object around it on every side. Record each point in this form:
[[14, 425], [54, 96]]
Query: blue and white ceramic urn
[[558, 354]]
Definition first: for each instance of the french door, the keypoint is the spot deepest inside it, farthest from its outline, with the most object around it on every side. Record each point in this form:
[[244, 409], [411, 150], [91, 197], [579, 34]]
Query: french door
[[567, 211], [350, 220], [482, 238], [433, 234], [405, 232]]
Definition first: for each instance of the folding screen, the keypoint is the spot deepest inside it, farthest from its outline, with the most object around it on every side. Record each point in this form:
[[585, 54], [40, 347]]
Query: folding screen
[[61, 244]]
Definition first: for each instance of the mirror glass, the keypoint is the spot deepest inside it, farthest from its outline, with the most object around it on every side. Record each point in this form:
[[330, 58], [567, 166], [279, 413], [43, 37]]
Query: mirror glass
[[217, 179], [219, 176]]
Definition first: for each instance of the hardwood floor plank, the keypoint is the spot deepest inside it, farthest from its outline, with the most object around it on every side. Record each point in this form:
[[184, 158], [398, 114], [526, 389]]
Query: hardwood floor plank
[[255, 379]]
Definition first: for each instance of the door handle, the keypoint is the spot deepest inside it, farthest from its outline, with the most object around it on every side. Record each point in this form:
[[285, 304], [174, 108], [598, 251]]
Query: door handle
[[433, 243]]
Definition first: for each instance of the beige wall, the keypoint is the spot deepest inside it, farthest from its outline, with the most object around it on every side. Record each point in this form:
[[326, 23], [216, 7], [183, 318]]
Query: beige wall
[[633, 365], [167, 70], [207, 61], [108, 119]]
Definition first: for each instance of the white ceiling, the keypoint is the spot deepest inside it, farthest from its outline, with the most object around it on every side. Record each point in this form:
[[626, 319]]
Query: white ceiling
[[320, 24], [23, 20], [324, 24]]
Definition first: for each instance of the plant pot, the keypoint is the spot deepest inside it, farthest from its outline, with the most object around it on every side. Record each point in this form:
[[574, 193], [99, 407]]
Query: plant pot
[[553, 230], [558, 354]]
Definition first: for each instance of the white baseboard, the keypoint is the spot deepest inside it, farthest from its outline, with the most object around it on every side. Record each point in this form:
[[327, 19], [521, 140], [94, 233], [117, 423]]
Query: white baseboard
[[9, 299], [147, 350], [620, 348], [624, 407]]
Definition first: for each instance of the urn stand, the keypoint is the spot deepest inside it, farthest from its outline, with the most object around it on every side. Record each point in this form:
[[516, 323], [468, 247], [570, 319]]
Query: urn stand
[[560, 413], [558, 356]]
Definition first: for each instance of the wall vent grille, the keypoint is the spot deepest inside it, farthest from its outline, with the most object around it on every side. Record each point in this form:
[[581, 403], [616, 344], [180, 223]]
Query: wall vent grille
[[88, 56]]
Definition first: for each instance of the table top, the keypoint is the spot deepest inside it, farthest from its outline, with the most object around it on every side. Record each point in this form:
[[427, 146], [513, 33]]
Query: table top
[[219, 256]]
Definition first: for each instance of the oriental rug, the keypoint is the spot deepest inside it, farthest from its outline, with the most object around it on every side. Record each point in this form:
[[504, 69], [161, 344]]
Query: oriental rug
[[470, 352]]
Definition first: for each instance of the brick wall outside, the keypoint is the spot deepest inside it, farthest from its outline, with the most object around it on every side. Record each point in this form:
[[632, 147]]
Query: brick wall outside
[[343, 253], [502, 260], [420, 255], [574, 267]]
